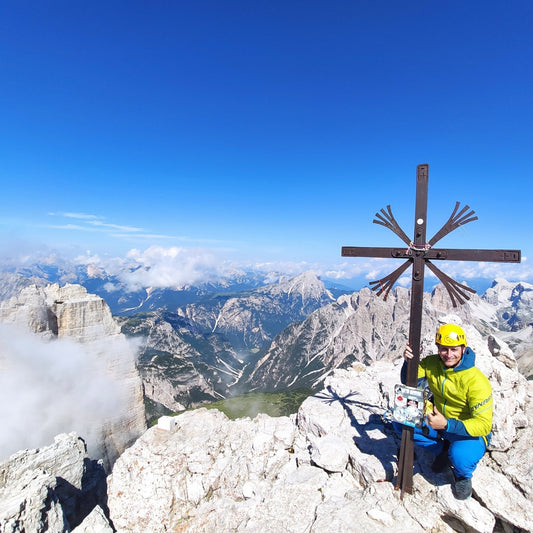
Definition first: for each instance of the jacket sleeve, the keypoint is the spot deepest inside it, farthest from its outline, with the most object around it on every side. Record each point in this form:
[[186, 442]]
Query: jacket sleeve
[[479, 400], [403, 373]]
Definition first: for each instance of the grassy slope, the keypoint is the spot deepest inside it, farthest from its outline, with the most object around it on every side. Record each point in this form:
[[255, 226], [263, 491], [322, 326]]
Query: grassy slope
[[250, 404]]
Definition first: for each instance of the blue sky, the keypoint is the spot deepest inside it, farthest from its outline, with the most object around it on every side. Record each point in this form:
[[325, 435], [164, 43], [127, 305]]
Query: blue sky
[[263, 132]]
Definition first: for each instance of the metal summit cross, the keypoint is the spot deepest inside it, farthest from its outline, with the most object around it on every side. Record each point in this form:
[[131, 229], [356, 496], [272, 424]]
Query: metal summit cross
[[418, 254]]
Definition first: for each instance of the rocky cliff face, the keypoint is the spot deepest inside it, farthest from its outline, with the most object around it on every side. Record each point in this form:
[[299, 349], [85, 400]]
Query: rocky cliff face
[[330, 468], [66, 364], [514, 303]]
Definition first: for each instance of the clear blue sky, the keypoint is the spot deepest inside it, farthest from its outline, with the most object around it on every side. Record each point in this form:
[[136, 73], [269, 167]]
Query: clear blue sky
[[262, 131]]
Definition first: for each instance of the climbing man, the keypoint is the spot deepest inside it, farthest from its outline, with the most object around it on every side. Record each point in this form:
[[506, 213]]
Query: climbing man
[[458, 422]]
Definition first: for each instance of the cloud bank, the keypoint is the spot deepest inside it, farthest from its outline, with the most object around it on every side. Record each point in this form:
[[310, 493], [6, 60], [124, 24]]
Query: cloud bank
[[161, 267], [175, 266], [375, 269], [52, 387]]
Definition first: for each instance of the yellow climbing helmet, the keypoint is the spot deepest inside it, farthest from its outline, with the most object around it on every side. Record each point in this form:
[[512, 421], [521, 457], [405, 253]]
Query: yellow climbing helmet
[[450, 335]]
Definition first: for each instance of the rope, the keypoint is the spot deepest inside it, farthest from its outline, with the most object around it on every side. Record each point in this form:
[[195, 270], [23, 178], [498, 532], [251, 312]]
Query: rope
[[413, 246]]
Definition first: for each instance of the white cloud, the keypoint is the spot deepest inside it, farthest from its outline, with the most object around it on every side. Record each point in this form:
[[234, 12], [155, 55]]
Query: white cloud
[[88, 222], [160, 266], [291, 268], [375, 269], [129, 229], [94, 271], [76, 227], [171, 267], [52, 387], [142, 236], [404, 281], [82, 216]]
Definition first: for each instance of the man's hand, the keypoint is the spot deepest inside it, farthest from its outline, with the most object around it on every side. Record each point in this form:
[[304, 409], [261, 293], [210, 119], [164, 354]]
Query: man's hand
[[408, 353], [437, 420]]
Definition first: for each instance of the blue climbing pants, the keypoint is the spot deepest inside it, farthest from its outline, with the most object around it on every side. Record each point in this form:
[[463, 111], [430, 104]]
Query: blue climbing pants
[[464, 452]]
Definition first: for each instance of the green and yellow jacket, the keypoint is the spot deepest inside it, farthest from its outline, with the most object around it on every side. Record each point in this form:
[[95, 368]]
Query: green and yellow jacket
[[463, 394]]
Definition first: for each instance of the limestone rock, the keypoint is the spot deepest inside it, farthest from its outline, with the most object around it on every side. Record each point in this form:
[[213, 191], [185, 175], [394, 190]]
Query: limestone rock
[[30, 503], [95, 522], [330, 468], [60, 311], [501, 350], [65, 458], [50, 489], [503, 498]]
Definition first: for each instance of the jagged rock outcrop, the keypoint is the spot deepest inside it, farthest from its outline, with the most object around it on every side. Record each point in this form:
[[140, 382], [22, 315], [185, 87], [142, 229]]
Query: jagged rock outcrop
[[90, 353], [521, 342], [95, 522], [330, 468], [67, 311], [51, 489]]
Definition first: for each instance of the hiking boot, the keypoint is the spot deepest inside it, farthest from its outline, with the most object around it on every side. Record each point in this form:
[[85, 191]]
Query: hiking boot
[[441, 461], [462, 488]]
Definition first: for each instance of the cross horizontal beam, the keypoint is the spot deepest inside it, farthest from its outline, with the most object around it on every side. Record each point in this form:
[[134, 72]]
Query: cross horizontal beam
[[501, 256]]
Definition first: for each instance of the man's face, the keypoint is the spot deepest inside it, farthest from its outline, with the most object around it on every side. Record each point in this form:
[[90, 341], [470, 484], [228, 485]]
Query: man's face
[[450, 355]]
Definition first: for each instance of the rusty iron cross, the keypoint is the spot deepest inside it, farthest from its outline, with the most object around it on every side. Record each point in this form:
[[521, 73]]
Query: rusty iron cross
[[418, 253]]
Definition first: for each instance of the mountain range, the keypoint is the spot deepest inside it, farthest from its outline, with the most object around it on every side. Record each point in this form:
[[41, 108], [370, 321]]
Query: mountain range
[[125, 298], [198, 344], [277, 338], [336, 458]]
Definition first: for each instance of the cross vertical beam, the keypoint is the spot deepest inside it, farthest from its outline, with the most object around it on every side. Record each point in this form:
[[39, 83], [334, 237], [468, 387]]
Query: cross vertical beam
[[417, 285], [418, 255], [406, 459]]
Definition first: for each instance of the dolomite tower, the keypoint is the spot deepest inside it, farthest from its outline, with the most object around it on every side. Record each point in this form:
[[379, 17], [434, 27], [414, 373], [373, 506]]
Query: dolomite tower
[[69, 312]]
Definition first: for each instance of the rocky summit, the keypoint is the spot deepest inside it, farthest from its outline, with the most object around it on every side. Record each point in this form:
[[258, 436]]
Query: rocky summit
[[329, 468], [52, 489]]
